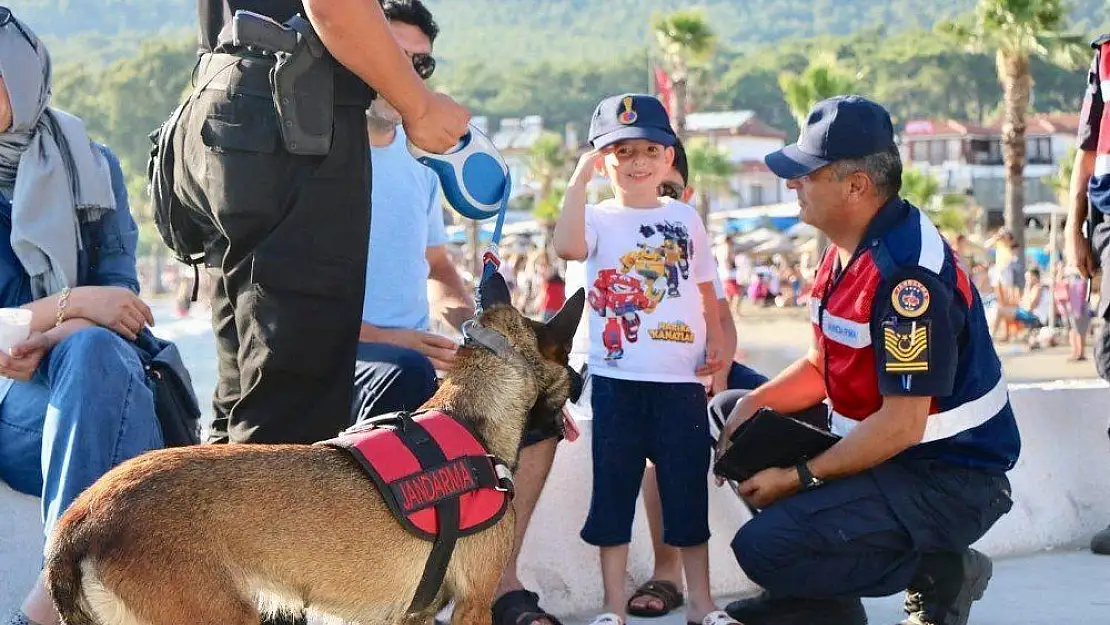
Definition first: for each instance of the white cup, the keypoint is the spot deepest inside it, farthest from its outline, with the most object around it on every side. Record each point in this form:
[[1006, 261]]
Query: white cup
[[15, 326]]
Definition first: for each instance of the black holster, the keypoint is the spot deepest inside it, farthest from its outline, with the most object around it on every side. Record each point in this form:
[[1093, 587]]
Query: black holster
[[303, 82]]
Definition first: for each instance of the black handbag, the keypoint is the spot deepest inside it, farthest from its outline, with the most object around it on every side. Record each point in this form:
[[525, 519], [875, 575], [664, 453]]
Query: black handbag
[[770, 439], [175, 401]]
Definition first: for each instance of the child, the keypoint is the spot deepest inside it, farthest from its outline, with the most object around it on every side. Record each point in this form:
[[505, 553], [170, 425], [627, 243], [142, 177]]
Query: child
[[654, 322]]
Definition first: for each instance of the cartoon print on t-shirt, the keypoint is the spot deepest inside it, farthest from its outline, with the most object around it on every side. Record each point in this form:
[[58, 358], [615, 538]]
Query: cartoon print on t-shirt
[[677, 251], [619, 295], [649, 263], [618, 299]]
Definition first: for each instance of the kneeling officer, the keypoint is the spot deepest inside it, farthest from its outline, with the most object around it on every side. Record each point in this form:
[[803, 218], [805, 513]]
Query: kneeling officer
[[904, 356]]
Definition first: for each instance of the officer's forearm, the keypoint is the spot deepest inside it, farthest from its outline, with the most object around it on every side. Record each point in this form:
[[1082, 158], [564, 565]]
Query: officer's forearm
[[896, 427], [358, 36], [1077, 192], [799, 386]]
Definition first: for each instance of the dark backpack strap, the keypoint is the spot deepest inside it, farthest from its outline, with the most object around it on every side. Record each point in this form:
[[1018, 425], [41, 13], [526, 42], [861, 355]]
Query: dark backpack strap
[[429, 454]]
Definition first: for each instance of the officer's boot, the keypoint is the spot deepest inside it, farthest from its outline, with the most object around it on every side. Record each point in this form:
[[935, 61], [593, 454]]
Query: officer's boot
[[945, 586], [763, 609], [1100, 544]]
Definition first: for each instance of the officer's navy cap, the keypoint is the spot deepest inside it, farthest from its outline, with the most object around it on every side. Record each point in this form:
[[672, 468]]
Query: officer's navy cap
[[839, 128], [630, 116]]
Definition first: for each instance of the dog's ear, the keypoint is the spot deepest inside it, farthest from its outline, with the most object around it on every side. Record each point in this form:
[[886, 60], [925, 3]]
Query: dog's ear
[[560, 329], [494, 292]]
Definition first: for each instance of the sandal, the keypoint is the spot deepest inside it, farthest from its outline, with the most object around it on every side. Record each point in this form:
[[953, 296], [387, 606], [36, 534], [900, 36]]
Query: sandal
[[719, 617], [521, 607], [607, 619], [661, 589]]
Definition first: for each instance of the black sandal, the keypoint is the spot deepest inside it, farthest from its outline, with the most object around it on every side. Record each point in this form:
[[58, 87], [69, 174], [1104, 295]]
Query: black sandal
[[520, 607], [661, 589]]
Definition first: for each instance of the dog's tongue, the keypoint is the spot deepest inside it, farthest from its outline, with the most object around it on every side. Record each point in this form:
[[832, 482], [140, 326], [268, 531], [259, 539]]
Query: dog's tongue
[[570, 427]]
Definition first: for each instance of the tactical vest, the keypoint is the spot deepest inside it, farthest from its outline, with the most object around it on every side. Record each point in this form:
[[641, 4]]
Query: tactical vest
[[436, 477]]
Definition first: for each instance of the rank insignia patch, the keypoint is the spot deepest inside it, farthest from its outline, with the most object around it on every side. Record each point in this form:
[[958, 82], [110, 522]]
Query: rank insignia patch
[[910, 298], [906, 346]]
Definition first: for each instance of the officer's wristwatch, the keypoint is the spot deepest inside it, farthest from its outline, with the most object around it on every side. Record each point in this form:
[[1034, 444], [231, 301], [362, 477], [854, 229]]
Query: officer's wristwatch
[[809, 482]]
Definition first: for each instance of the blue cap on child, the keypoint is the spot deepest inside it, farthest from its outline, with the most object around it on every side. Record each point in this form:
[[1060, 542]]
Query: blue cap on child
[[630, 116]]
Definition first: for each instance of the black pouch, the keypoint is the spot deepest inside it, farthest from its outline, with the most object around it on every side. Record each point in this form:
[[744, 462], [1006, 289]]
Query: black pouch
[[177, 224], [175, 402], [770, 439]]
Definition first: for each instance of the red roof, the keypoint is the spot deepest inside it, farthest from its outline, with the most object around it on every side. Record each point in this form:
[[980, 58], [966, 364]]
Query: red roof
[[943, 127], [1040, 124]]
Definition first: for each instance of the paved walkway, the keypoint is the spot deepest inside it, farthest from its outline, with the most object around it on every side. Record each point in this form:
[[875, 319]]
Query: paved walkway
[[1062, 588]]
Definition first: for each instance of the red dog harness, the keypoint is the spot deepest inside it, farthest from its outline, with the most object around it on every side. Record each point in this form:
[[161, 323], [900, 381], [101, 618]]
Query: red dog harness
[[436, 477]]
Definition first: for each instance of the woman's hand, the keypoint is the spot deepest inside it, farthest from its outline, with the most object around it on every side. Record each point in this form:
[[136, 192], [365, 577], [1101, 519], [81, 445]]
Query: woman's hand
[[26, 356], [112, 307]]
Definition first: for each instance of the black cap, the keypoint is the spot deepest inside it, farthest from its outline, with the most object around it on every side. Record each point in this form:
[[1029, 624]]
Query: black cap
[[630, 116], [839, 128], [681, 163]]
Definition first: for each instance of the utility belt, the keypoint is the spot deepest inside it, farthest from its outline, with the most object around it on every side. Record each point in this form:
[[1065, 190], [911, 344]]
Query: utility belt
[[288, 63]]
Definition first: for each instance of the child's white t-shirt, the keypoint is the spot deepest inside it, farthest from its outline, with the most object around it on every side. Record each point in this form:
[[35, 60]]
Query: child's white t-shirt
[[645, 319]]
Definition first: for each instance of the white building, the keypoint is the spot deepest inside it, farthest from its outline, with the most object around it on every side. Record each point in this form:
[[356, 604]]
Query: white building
[[746, 140], [965, 157]]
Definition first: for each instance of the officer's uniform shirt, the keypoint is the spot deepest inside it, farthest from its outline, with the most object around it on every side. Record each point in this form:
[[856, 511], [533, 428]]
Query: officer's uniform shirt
[[902, 319], [1094, 124]]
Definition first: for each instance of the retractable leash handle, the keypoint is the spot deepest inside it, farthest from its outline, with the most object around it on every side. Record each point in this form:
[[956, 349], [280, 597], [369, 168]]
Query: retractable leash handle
[[476, 182], [473, 174]]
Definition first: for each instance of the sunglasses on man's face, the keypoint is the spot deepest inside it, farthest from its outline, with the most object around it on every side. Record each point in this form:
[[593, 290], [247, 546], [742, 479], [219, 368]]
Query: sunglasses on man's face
[[6, 18], [423, 63], [671, 190]]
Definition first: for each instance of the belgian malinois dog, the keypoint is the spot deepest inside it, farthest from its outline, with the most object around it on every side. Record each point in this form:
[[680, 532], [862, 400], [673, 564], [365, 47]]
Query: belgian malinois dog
[[217, 534]]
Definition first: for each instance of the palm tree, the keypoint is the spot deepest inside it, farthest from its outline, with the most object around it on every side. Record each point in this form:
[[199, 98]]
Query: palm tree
[[923, 190], [547, 162], [710, 170], [1015, 31], [685, 40], [823, 78]]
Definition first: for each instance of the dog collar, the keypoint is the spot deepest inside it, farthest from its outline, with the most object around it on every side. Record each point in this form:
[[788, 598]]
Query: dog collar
[[476, 334]]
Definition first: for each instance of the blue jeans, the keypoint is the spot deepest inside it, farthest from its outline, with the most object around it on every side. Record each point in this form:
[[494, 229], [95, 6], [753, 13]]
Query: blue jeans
[[390, 378], [87, 409]]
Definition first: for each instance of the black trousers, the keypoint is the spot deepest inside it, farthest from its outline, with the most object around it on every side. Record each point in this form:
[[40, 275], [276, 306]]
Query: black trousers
[[287, 246]]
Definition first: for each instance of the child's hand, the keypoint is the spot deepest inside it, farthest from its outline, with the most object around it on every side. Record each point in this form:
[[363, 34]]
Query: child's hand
[[586, 167], [714, 355]]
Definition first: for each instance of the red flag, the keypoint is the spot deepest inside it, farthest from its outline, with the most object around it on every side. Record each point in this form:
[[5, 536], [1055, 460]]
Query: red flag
[[664, 89]]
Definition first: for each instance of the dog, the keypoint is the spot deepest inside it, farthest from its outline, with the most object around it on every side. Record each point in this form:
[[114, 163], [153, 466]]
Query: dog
[[219, 534]]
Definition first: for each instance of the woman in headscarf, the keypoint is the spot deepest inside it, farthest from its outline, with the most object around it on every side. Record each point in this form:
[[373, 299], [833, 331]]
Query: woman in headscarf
[[73, 395]]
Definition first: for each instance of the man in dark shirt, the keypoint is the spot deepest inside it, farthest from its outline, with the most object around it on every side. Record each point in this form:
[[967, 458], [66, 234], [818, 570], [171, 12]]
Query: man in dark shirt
[[285, 231], [285, 228]]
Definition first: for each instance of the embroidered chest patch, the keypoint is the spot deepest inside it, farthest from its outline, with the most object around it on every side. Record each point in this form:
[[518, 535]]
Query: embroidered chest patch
[[906, 346]]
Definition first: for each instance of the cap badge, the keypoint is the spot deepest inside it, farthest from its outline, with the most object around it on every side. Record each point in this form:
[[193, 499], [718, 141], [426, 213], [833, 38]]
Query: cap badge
[[627, 115]]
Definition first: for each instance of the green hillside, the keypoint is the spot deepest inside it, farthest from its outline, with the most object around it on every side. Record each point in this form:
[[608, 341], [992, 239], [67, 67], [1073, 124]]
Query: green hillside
[[505, 32]]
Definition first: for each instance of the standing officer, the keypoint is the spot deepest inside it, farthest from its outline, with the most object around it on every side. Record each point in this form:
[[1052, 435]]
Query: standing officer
[[270, 158], [903, 353], [1090, 181]]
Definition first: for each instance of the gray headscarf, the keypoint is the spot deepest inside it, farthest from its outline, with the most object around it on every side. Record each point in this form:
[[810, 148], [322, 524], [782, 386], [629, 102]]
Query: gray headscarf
[[59, 178]]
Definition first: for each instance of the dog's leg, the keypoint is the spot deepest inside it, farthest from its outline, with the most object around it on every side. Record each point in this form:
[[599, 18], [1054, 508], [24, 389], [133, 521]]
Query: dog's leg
[[474, 598]]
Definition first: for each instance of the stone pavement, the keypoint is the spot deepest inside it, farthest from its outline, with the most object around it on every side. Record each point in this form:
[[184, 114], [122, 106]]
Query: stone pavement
[[1056, 588]]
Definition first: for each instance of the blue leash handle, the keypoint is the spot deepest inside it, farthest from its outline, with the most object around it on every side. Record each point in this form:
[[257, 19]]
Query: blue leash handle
[[492, 259]]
